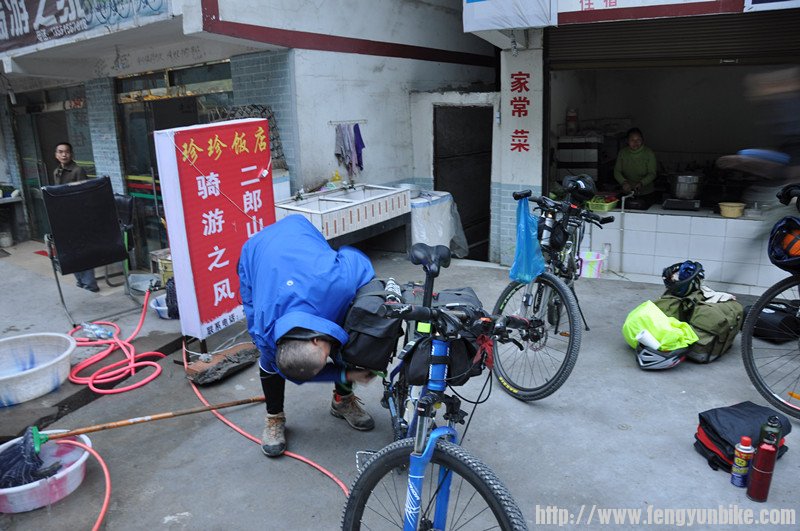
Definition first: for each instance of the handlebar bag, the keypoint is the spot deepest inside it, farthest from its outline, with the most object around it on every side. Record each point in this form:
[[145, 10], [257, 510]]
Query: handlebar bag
[[462, 350], [461, 365], [373, 339]]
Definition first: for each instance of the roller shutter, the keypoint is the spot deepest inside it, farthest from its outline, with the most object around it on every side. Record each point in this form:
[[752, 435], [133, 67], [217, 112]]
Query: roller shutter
[[768, 37]]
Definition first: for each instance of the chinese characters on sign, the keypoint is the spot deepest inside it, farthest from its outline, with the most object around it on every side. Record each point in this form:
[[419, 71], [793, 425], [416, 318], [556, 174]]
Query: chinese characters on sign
[[27, 22], [218, 195], [519, 109]]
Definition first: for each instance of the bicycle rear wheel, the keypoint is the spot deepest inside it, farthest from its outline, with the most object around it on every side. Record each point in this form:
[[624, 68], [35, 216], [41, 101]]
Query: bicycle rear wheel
[[550, 349], [772, 356], [478, 500]]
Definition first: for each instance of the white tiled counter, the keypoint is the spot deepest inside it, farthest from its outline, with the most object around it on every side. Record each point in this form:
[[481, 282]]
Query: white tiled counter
[[733, 251]]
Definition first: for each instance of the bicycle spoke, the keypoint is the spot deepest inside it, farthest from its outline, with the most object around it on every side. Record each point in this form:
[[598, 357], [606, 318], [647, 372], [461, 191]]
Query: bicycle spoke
[[770, 353]]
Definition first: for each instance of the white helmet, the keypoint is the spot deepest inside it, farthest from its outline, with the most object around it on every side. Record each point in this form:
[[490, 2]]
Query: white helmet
[[656, 359]]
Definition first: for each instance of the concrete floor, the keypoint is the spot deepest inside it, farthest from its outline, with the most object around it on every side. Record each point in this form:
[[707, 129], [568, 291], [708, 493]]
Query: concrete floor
[[613, 437]]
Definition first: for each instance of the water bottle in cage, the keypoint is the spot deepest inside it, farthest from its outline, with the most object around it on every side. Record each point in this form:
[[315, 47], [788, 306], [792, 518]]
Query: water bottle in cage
[[393, 292], [549, 223]]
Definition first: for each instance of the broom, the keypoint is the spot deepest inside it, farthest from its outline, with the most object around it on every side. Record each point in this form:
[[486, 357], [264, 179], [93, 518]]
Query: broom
[[20, 463]]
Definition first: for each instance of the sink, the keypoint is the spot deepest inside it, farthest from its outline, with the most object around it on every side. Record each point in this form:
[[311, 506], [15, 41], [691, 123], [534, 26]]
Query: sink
[[361, 192], [336, 212]]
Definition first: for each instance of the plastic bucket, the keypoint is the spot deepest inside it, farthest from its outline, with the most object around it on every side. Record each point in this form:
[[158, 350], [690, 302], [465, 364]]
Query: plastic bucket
[[591, 264]]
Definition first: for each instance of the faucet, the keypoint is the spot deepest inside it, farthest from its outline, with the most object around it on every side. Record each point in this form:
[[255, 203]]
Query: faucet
[[299, 195]]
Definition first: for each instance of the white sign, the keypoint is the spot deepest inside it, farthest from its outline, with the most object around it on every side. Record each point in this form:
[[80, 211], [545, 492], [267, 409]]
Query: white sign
[[766, 5], [480, 15]]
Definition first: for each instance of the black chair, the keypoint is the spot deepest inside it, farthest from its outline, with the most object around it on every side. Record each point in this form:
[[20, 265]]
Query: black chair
[[125, 208], [85, 229]]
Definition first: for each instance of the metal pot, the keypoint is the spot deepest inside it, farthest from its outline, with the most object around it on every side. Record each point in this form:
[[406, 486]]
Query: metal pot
[[685, 186]]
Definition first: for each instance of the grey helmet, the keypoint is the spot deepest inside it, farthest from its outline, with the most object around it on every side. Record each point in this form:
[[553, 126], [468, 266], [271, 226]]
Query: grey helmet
[[651, 359]]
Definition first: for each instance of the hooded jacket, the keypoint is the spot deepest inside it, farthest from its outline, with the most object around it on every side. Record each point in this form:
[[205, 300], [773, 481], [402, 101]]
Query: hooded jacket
[[291, 277]]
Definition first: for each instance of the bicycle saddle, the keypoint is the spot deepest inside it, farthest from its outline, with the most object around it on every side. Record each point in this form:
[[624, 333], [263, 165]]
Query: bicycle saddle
[[431, 258]]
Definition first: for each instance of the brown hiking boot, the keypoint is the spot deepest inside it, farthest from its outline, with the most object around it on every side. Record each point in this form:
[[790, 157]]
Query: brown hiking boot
[[273, 440], [348, 407]]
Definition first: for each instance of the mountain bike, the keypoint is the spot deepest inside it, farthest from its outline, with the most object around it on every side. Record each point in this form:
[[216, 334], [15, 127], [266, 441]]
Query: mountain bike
[[428, 481], [771, 329], [549, 351]]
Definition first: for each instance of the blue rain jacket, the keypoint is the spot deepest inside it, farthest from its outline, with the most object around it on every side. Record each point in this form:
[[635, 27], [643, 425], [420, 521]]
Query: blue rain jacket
[[289, 276]]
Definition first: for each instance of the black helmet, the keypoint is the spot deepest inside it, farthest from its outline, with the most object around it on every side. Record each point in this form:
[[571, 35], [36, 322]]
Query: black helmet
[[683, 278], [783, 257], [580, 188]]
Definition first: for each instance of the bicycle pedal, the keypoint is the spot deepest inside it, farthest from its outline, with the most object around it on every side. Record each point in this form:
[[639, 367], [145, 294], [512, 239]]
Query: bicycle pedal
[[362, 457]]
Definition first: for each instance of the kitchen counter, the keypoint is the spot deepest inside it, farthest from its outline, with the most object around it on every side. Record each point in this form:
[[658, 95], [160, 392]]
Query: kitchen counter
[[702, 213]]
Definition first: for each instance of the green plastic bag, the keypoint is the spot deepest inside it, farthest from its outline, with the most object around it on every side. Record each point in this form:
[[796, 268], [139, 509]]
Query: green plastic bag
[[671, 333]]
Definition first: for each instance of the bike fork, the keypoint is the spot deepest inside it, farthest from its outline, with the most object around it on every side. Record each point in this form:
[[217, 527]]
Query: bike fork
[[416, 474]]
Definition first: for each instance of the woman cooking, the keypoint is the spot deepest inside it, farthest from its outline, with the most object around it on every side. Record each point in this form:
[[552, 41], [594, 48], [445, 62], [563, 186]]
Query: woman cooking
[[635, 169]]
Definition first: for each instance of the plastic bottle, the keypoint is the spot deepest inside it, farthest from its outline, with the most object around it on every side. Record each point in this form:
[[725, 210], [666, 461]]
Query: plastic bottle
[[393, 292], [761, 469], [549, 223], [742, 457], [772, 425]]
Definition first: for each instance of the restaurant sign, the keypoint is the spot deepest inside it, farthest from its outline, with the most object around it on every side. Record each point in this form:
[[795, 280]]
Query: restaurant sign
[[27, 22]]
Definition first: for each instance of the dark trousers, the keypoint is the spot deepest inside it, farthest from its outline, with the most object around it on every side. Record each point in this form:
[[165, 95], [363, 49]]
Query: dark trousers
[[274, 387]]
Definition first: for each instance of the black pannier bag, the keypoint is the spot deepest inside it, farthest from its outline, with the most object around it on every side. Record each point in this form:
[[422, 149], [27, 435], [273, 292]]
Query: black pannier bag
[[778, 322], [373, 339], [464, 361]]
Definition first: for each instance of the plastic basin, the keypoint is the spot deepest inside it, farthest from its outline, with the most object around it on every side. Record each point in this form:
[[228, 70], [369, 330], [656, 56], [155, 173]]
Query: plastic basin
[[49, 490], [33, 365]]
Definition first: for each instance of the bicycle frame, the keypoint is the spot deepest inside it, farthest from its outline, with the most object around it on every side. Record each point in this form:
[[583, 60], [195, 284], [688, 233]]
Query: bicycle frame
[[424, 445]]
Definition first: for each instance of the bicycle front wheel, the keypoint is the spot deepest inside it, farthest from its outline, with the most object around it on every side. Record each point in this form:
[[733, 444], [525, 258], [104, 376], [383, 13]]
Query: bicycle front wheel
[[771, 353], [478, 500], [550, 348]]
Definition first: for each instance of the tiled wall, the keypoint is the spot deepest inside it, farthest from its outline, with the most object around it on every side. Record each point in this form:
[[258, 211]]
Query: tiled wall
[[732, 251]]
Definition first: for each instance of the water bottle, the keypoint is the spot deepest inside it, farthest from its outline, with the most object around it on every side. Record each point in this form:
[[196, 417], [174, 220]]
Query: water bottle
[[549, 223], [742, 457], [95, 331], [762, 468], [393, 293]]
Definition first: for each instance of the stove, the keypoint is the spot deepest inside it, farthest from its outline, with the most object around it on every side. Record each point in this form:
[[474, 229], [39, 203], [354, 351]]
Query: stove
[[681, 204]]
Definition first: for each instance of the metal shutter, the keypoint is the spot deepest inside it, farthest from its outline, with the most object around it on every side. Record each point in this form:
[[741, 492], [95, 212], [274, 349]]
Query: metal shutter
[[768, 37]]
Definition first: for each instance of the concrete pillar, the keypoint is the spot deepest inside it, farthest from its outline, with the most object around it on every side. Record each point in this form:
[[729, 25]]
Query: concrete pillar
[[518, 141]]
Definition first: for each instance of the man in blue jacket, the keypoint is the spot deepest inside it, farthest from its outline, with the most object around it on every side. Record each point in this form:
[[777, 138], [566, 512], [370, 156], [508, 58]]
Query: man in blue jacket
[[296, 290]]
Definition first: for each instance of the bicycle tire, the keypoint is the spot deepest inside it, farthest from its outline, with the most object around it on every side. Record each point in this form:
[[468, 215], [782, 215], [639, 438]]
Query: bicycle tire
[[774, 368], [544, 364], [379, 492]]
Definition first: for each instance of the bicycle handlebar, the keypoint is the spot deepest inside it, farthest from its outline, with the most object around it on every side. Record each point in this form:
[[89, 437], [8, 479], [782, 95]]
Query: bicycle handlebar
[[475, 321], [545, 203]]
